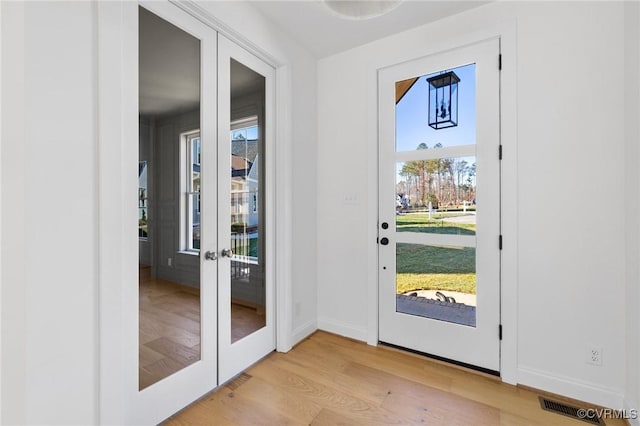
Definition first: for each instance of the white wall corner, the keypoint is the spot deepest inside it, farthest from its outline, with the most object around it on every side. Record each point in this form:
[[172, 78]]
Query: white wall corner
[[343, 329], [632, 204], [569, 387], [303, 331], [284, 220]]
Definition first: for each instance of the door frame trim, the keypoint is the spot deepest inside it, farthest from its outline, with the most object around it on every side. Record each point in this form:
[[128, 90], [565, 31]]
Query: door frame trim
[[506, 32]]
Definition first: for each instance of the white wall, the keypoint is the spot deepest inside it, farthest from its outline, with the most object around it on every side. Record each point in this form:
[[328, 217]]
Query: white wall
[[49, 197], [632, 191], [49, 340], [571, 250]]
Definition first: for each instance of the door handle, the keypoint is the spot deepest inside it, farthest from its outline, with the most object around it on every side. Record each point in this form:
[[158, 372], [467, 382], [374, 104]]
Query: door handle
[[226, 253], [384, 241], [211, 255]]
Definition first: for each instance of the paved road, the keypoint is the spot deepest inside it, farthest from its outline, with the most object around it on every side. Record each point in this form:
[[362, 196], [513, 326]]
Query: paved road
[[470, 218]]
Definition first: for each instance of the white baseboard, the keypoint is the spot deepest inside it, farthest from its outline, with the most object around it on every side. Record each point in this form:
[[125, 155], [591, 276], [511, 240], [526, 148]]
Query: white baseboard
[[343, 329], [566, 386], [632, 410], [303, 331]]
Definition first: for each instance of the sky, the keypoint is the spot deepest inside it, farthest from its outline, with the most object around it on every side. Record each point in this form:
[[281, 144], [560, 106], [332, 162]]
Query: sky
[[412, 127], [249, 133], [412, 121]]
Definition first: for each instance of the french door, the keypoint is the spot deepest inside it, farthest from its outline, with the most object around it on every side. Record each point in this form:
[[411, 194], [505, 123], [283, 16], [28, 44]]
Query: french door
[[439, 210], [205, 308], [245, 194]]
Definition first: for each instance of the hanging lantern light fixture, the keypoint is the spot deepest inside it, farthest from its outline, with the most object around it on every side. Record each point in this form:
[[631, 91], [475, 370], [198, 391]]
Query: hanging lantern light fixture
[[443, 100]]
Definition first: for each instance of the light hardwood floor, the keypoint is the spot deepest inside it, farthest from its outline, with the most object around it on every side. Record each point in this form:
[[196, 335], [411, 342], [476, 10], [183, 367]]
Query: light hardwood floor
[[170, 327], [331, 380]]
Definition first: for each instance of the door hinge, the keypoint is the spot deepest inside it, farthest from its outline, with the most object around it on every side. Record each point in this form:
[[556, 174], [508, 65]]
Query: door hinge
[[500, 152], [500, 242], [500, 331], [500, 61]]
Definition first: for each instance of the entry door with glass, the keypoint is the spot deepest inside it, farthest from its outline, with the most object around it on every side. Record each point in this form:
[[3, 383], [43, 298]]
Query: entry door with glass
[[439, 208]]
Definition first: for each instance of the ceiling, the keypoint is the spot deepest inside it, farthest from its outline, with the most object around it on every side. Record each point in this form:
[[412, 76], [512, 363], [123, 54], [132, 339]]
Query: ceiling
[[170, 59], [169, 64], [170, 69], [323, 33]]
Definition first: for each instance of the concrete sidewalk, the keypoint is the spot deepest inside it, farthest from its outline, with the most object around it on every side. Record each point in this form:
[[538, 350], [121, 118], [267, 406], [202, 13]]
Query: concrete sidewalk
[[458, 313]]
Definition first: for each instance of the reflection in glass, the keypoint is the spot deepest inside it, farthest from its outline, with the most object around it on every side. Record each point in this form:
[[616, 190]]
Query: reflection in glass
[[436, 196], [169, 280], [192, 191], [142, 200], [247, 201], [412, 113], [436, 282]]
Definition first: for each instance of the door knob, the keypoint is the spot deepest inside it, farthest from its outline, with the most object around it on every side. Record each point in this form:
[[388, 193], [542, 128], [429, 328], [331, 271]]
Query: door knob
[[210, 255], [384, 241], [226, 253], [385, 225]]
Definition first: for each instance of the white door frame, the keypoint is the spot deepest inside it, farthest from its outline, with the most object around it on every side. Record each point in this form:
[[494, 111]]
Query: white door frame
[[506, 31], [116, 130]]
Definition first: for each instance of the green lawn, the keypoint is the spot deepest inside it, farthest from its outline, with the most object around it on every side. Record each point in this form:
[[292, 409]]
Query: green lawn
[[242, 249], [420, 222], [422, 267]]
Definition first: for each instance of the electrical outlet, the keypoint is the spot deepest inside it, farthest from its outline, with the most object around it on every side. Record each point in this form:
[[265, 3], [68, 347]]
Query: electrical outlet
[[594, 355], [169, 261]]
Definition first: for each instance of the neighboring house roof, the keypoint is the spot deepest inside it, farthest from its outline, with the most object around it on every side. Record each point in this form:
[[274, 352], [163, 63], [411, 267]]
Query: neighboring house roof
[[245, 148], [240, 166], [402, 87]]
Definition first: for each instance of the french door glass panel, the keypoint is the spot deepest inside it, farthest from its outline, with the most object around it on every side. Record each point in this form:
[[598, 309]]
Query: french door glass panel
[[439, 207], [245, 285], [169, 290], [246, 138]]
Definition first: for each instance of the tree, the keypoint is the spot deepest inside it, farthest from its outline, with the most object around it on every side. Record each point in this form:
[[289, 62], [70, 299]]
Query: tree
[[460, 168], [419, 170]]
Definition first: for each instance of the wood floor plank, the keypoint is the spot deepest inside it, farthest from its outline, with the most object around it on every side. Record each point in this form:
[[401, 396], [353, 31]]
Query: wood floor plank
[[150, 327], [331, 417], [259, 391], [162, 316], [169, 326], [336, 379], [177, 352], [434, 406], [330, 380], [408, 367], [147, 356], [304, 386], [232, 405]]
